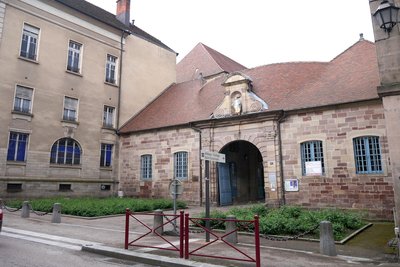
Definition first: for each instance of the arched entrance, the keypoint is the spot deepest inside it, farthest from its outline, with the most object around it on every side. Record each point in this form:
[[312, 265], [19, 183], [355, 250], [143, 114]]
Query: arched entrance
[[241, 178]]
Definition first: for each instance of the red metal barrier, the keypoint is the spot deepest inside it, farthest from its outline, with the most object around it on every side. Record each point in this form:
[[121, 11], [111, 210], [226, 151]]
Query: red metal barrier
[[244, 223], [151, 230]]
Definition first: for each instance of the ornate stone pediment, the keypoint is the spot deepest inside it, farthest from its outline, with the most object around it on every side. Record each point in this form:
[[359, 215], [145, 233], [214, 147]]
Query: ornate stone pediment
[[239, 98]]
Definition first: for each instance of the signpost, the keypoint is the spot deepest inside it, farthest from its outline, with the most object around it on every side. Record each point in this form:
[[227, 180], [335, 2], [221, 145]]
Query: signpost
[[175, 189], [215, 157]]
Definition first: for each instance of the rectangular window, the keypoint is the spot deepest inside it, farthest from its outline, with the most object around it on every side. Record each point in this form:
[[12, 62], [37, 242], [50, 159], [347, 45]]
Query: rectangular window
[[367, 155], [312, 151], [108, 117], [23, 99], [70, 109], [181, 165], [29, 42], [17, 146], [146, 167], [74, 53], [106, 155], [110, 69]]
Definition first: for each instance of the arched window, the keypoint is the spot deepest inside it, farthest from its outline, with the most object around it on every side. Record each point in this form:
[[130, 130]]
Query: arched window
[[66, 151], [181, 165]]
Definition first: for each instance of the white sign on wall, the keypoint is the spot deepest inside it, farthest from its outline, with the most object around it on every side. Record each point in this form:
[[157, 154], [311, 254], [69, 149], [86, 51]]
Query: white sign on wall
[[292, 185], [313, 168], [272, 180]]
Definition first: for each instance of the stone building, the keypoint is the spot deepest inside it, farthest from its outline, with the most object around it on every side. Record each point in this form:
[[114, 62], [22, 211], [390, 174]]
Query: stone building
[[71, 74], [387, 42], [300, 133]]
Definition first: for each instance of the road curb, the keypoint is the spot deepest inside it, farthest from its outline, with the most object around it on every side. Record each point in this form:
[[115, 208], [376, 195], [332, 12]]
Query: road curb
[[143, 257]]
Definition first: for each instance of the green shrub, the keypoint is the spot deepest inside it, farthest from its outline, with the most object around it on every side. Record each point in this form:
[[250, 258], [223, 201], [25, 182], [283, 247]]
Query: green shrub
[[92, 207]]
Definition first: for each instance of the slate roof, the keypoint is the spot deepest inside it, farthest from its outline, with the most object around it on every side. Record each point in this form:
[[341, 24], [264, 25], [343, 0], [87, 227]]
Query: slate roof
[[350, 77], [110, 19], [205, 60]]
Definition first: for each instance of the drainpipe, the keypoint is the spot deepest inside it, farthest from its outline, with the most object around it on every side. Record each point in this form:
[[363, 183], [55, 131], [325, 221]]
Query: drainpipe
[[280, 120], [119, 97], [200, 163], [120, 73]]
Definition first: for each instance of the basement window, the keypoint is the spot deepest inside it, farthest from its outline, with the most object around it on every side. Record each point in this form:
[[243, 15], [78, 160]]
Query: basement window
[[14, 187], [64, 187]]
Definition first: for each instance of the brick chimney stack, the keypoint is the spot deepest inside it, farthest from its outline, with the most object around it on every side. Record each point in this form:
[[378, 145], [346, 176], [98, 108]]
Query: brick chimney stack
[[123, 11]]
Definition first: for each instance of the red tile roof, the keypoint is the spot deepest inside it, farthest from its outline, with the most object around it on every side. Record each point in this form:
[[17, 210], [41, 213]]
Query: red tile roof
[[205, 60], [351, 76]]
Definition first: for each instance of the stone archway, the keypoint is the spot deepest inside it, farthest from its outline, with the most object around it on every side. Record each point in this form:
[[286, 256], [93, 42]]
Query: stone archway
[[241, 178]]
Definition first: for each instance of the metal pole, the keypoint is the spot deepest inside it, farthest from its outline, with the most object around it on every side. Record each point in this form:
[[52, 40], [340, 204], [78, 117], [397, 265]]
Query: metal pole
[[127, 212], [175, 191], [186, 236], [181, 233], [257, 240], [207, 178]]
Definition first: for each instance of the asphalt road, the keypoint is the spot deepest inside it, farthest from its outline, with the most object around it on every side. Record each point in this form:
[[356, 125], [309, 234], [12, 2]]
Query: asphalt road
[[16, 252]]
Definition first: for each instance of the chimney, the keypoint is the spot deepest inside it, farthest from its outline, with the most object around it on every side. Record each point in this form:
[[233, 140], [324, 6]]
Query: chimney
[[123, 11]]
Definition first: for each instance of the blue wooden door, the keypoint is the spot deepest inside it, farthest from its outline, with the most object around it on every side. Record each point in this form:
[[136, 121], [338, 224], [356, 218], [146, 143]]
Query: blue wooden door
[[225, 188]]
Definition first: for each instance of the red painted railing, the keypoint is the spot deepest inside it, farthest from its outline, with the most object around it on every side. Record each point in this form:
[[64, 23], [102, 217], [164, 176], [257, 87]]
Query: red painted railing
[[170, 219], [184, 246], [241, 223]]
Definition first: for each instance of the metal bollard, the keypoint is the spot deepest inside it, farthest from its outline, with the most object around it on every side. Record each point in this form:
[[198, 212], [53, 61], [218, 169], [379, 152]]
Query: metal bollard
[[231, 228], [56, 213], [158, 222], [326, 241], [25, 213]]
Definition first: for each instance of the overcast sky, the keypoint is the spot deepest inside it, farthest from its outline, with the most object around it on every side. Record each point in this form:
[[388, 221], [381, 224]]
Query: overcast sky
[[254, 32]]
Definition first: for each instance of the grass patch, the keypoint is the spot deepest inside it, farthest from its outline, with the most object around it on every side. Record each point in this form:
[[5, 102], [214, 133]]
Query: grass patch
[[293, 221], [94, 207]]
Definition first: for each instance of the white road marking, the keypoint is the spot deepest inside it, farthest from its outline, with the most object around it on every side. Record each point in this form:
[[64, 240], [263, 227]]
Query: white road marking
[[53, 240], [43, 241]]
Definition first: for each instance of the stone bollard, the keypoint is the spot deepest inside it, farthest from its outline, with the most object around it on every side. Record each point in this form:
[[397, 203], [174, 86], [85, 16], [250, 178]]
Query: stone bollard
[[158, 222], [56, 213], [231, 226], [25, 210], [326, 241]]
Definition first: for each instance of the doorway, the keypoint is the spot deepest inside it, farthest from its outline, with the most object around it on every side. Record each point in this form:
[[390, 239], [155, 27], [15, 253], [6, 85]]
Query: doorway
[[241, 178]]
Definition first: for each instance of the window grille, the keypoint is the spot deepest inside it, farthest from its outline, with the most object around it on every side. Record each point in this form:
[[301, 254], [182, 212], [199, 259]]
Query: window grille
[[181, 165], [312, 151], [367, 155], [146, 167]]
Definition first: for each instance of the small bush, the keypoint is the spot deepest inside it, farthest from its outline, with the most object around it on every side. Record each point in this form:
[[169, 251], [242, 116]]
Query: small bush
[[93, 207]]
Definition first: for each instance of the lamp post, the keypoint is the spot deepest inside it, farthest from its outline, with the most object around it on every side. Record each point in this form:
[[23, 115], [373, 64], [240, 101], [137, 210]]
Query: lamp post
[[386, 15]]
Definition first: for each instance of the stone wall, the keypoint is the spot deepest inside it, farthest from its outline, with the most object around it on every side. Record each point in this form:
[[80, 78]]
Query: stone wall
[[161, 145], [340, 186], [2, 12]]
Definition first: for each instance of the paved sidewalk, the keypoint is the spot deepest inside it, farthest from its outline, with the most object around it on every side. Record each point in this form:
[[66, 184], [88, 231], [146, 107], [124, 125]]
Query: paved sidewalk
[[106, 236]]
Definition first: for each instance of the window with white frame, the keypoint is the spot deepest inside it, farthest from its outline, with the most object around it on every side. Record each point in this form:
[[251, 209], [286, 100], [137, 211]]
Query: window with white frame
[[106, 155], [70, 109], [23, 99], [111, 65], [181, 165], [17, 146], [66, 151], [146, 167], [312, 158], [367, 155], [74, 56], [108, 117], [29, 42]]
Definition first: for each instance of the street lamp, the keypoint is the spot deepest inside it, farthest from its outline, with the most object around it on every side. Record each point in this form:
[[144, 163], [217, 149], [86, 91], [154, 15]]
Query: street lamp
[[386, 15]]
